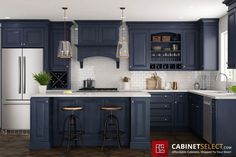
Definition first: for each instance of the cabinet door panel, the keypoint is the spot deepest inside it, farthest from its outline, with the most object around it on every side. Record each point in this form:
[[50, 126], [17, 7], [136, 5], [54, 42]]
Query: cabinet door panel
[[140, 123], [88, 34], [209, 44], [190, 50], [33, 37], [181, 114], [40, 123], [109, 34], [231, 39], [12, 37], [138, 50]]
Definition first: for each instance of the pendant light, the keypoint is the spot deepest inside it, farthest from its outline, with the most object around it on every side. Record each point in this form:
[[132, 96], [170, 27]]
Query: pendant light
[[64, 48], [122, 46]]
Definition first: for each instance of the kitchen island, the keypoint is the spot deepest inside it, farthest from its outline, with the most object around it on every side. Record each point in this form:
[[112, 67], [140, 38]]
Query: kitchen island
[[47, 117]]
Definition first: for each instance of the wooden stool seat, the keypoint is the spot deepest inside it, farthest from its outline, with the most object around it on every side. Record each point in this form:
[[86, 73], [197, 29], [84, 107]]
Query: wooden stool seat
[[111, 108], [72, 108]]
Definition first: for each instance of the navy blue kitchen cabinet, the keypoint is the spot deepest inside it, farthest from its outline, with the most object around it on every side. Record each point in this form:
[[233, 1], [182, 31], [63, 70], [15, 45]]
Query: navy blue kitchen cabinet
[[12, 37], [223, 116], [208, 44], [231, 33], [55, 36], [197, 45], [162, 111], [28, 34], [191, 49], [97, 38], [47, 120], [92, 118], [40, 128], [196, 114], [140, 123], [139, 49], [169, 112], [98, 33], [181, 111]]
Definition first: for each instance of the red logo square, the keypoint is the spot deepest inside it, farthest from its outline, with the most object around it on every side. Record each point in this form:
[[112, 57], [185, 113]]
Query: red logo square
[[159, 148]]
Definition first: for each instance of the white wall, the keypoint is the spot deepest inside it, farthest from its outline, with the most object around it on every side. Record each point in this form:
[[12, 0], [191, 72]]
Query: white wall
[[223, 26]]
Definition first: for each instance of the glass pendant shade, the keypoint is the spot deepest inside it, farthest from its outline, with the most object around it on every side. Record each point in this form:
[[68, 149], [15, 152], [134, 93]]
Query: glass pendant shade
[[64, 49], [123, 43]]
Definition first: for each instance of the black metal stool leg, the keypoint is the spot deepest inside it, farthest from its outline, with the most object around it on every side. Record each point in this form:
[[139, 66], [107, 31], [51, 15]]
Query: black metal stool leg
[[118, 133], [69, 134], [74, 131], [63, 131], [104, 133]]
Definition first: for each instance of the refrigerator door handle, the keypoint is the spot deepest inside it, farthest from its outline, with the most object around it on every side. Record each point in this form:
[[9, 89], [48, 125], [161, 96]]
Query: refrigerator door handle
[[24, 66], [19, 62]]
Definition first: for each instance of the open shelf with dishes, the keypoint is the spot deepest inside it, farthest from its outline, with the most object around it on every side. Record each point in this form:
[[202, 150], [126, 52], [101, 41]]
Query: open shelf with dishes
[[166, 51]]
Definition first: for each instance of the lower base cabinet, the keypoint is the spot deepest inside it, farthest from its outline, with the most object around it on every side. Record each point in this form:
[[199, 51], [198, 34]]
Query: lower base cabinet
[[92, 118], [40, 128], [47, 118], [223, 126], [140, 123], [196, 114], [169, 111]]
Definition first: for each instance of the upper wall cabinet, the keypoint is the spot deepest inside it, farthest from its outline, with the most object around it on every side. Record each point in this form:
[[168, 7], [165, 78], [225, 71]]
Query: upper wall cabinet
[[98, 33], [17, 34], [97, 38], [139, 47], [209, 44], [163, 45], [190, 49], [231, 33]]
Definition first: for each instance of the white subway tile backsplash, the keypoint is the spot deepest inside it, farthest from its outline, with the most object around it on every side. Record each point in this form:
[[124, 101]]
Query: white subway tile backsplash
[[106, 75]]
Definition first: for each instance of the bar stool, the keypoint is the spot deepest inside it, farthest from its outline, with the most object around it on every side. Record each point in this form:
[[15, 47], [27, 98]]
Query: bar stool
[[73, 134], [111, 126]]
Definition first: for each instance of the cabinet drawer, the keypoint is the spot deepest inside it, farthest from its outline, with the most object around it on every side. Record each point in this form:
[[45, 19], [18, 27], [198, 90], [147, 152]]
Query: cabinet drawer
[[159, 112], [166, 118], [181, 97], [160, 105], [162, 97]]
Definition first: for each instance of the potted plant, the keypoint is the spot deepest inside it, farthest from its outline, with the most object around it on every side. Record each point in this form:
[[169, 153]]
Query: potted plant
[[43, 78], [126, 83]]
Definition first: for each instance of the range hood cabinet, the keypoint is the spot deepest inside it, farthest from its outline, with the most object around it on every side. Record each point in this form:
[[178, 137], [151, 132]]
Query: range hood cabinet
[[97, 38], [91, 51]]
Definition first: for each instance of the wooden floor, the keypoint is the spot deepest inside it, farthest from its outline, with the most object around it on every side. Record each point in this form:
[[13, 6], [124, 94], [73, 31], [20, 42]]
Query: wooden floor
[[17, 146]]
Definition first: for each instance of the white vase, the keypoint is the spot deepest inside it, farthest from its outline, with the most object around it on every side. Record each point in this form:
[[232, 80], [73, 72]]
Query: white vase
[[126, 86], [42, 89]]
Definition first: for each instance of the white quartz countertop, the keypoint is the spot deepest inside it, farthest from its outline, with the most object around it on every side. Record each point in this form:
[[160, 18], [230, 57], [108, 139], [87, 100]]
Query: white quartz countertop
[[95, 94], [214, 94]]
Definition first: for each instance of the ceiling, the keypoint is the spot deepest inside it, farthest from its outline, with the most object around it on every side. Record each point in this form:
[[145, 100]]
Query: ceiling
[[136, 10]]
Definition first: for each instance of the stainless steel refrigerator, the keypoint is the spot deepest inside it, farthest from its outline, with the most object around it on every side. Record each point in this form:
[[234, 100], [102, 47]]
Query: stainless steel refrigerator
[[18, 66]]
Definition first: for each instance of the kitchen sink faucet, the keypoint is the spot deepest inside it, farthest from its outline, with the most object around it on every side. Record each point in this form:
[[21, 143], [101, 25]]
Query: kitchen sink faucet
[[226, 80]]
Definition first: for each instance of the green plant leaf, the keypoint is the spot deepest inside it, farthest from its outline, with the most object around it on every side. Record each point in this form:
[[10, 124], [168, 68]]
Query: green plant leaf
[[43, 78]]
